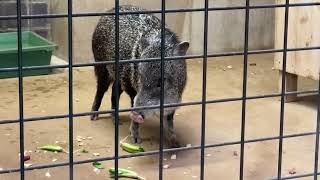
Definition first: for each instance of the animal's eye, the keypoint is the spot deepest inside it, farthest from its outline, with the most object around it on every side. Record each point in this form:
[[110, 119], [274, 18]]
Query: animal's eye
[[159, 82]]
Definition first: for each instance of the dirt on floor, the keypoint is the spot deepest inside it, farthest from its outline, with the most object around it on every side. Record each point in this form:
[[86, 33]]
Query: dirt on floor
[[48, 95]]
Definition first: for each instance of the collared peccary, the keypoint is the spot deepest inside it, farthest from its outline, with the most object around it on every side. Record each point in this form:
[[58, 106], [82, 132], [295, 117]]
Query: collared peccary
[[140, 38]]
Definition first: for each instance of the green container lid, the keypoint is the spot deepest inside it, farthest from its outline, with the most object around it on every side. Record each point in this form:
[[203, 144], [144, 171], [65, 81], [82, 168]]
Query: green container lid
[[36, 51], [30, 42]]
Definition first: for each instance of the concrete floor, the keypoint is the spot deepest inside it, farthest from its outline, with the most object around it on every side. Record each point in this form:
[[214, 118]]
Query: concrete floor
[[48, 95]]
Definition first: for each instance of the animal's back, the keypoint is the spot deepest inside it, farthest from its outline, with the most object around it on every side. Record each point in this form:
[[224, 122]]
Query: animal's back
[[131, 27]]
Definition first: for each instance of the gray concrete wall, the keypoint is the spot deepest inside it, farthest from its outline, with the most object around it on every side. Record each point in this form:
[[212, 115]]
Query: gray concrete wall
[[28, 7], [59, 27], [226, 28]]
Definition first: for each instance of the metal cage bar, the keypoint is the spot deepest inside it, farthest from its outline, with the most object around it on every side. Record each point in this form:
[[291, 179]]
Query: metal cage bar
[[70, 88], [163, 41], [205, 56], [89, 14], [283, 87], [316, 151], [190, 57], [165, 105], [150, 153], [116, 110], [244, 87], [204, 88], [21, 108]]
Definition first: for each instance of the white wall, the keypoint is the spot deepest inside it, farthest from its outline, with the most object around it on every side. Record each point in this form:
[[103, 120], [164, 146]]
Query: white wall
[[226, 28]]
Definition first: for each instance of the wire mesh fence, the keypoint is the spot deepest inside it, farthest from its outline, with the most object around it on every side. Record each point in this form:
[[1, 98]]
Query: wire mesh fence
[[205, 56]]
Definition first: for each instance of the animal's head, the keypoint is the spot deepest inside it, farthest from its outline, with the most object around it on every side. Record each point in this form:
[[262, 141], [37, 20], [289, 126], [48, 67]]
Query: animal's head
[[174, 77]]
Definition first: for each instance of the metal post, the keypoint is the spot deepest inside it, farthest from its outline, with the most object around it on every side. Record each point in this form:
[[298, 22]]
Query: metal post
[[163, 23], [116, 114], [20, 73], [204, 88], [244, 87], [283, 87], [70, 75]]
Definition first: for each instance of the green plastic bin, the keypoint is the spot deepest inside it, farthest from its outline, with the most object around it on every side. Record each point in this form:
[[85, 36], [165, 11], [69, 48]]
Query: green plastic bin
[[36, 51]]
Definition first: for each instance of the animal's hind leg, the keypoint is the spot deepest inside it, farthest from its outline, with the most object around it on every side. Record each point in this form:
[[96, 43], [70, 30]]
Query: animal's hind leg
[[132, 93], [103, 83], [113, 98]]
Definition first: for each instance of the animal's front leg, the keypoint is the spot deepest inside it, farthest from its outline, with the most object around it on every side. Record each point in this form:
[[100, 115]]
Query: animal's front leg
[[170, 133], [134, 132]]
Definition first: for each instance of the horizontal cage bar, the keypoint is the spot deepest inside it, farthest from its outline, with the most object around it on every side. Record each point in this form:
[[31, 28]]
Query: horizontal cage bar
[[190, 57], [89, 14], [157, 107], [163, 11], [150, 153]]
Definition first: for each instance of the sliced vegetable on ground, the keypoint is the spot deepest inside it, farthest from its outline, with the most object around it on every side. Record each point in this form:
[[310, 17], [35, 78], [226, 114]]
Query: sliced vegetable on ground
[[131, 148], [52, 148], [98, 165], [125, 173]]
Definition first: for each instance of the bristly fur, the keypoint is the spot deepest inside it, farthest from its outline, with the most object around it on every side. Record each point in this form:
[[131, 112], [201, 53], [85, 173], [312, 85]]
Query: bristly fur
[[139, 38], [137, 32]]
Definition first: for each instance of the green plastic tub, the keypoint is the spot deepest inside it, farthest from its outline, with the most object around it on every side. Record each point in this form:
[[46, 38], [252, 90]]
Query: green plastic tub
[[36, 51]]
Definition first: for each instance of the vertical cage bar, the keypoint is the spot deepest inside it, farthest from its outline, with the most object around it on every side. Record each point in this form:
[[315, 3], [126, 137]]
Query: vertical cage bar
[[116, 114], [204, 87], [163, 23], [316, 152], [283, 88], [117, 64], [21, 113], [70, 59], [244, 87]]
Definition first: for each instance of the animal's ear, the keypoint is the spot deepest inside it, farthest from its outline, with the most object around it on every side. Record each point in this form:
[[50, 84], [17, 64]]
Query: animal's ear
[[144, 43], [182, 48]]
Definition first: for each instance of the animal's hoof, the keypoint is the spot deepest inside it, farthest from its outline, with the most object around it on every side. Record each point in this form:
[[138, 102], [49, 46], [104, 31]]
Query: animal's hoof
[[94, 117], [174, 143], [136, 140]]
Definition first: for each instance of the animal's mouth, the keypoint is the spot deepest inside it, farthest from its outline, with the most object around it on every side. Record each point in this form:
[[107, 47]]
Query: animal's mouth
[[136, 117]]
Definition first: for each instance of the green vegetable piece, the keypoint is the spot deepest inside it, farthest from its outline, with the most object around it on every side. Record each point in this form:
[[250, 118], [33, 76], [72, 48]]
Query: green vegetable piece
[[124, 173], [98, 165], [84, 151], [54, 148], [131, 148]]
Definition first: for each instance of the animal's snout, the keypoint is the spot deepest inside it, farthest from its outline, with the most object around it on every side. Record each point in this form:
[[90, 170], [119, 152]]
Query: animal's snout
[[137, 117]]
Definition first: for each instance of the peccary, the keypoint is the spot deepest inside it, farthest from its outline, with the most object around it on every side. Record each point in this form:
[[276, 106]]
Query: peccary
[[140, 38]]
